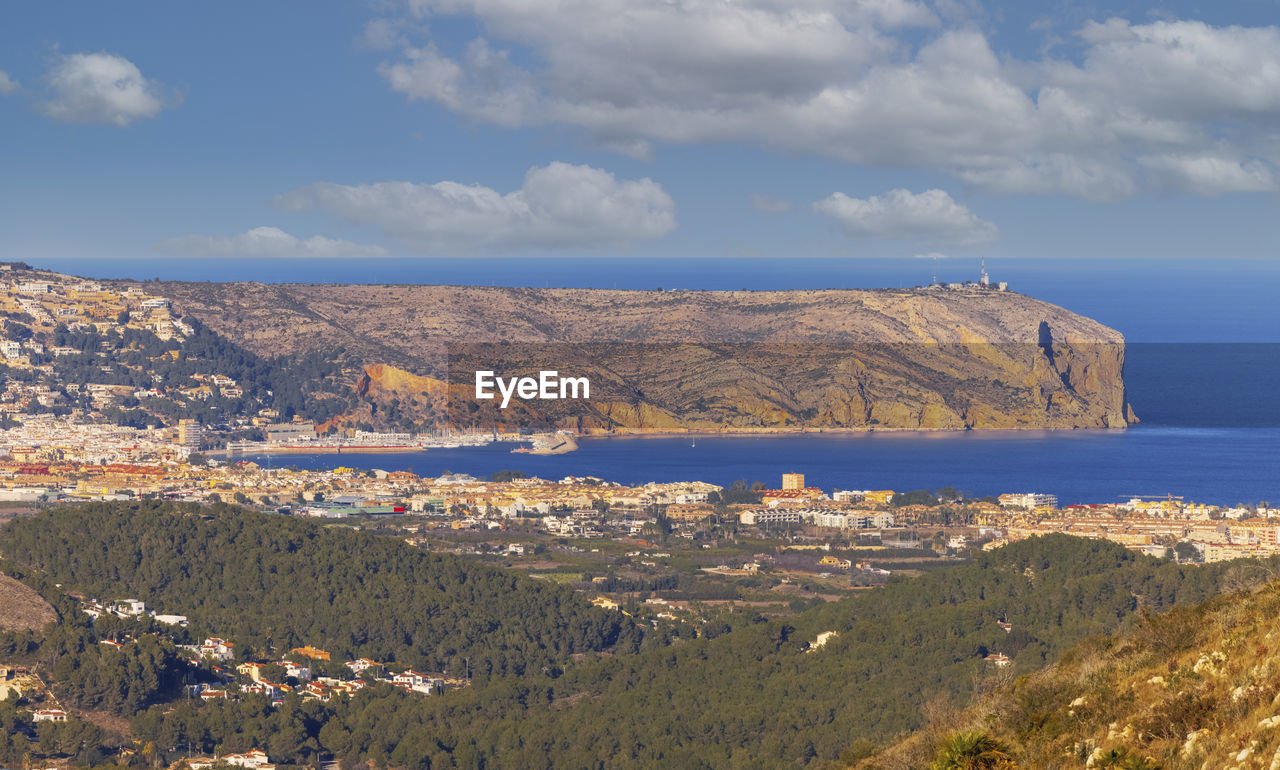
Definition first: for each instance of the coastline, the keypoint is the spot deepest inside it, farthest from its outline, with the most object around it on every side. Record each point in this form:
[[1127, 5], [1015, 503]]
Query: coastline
[[571, 444], [317, 450], [749, 433], [1083, 466]]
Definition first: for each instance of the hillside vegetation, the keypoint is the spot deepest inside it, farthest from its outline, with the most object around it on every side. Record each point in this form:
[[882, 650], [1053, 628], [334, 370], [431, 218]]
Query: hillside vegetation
[[748, 692], [271, 581], [1198, 687]]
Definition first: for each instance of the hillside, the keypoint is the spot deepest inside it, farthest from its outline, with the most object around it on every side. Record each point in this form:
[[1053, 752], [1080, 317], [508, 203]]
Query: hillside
[[1198, 687], [692, 360], [21, 608], [754, 693], [748, 692], [270, 580], [79, 348]]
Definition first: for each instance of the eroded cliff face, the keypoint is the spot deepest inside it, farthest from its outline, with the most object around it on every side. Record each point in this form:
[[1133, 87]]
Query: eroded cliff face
[[920, 359]]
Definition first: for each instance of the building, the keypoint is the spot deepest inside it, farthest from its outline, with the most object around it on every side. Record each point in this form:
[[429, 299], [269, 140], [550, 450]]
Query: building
[[793, 481], [680, 512], [218, 649], [423, 683], [255, 760], [49, 715], [131, 608], [877, 496], [190, 434], [364, 664], [769, 517], [849, 519], [251, 670], [1028, 500], [291, 432], [315, 653]]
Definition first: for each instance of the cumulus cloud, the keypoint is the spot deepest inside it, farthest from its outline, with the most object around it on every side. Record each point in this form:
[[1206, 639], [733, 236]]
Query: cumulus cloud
[[559, 205], [1209, 174], [878, 83], [769, 204], [7, 84], [269, 243], [100, 88], [932, 217]]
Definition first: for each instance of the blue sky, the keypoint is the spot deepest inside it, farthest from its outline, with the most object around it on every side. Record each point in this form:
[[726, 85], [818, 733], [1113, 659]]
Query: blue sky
[[646, 128]]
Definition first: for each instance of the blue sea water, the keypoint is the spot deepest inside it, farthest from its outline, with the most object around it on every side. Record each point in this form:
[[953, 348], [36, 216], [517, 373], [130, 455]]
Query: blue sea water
[[1210, 432], [1214, 465]]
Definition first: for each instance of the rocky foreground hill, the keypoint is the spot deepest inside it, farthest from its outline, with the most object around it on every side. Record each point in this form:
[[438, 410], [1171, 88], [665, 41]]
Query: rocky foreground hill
[[1193, 689], [693, 360]]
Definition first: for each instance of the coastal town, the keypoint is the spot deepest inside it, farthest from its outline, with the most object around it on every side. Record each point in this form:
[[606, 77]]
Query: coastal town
[[109, 393], [114, 374], [41, 473]]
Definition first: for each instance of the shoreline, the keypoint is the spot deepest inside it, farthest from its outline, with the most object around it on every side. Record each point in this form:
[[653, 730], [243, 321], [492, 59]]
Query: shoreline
[[332, 450], [662, 434], [839, 432]]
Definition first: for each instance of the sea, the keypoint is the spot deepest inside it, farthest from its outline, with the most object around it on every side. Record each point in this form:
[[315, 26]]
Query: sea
[[1202, 370]]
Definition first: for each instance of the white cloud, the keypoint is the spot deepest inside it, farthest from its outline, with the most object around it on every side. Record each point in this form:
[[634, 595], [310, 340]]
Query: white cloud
[[931, 217], [769, 204], [270, 243], [844, 80], [559, 205], [1210, 174], [381, 34], [100, 88], [7, 84]]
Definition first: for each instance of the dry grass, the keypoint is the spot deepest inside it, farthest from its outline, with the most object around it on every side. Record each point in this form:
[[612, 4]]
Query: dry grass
[[1197, 687], [21, 608]]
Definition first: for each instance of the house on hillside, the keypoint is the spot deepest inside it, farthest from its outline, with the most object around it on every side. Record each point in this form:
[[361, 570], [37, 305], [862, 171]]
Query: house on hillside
[[218, 649]]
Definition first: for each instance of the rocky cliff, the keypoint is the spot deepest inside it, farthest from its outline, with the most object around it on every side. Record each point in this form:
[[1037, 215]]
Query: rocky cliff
[[690, 360]]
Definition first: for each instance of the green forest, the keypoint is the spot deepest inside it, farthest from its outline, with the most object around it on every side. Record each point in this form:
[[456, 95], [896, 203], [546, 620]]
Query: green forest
[[272, 582], [749, 693]]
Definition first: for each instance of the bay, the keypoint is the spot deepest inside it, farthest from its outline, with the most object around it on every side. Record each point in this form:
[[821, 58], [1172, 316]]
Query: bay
[[1222, 466]]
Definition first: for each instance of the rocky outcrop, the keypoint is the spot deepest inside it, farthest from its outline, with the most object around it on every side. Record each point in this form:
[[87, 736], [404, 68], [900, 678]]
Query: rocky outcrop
[[918, 359]]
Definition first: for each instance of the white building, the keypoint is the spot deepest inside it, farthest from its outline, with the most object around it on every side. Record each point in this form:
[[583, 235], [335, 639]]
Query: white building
[[1028, 500], [218, 649], [49, 715], [129, 608], [770, 516]]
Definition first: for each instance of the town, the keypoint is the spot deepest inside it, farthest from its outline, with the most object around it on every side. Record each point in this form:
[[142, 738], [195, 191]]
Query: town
[[509, 506], [109, 395]]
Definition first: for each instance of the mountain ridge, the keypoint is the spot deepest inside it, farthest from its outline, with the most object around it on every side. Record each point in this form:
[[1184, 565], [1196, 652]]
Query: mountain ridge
[[743, 361]]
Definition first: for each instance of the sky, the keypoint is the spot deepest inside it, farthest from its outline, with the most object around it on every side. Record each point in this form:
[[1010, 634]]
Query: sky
[[371, 129]]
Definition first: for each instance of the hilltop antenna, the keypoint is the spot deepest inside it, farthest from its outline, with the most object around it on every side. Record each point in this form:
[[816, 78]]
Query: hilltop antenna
[[983, 278], [935, 269]]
